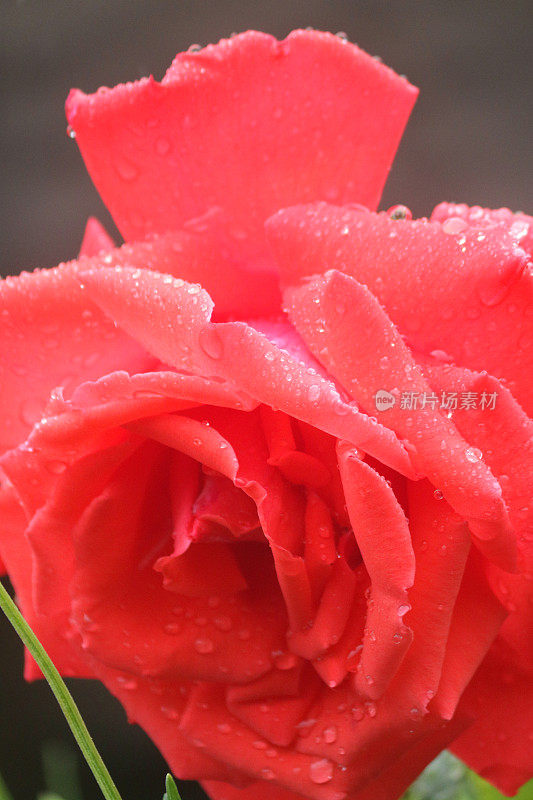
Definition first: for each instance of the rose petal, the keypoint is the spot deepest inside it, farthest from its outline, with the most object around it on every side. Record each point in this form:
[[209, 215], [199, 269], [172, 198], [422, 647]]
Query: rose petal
[[376, 357], [498, 744], [52, 335], [477, 618], [225, 737], [469, 294], [273, 705], [163, 153], [519, 225], [170, 318], [117, 540], [95, 239], [53, 630], [382, 533]]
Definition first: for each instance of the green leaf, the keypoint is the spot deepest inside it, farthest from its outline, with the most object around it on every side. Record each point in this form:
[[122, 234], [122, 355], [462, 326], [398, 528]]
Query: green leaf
[[5, 794], [62, 694], [60, 768], [485, 791], [50, 796], [171, 789], [447, 778], [444, 779]]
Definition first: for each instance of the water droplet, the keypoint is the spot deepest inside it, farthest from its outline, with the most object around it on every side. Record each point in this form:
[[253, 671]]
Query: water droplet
[[321, 771], [31, 411], [437, 494], [127, 683], [204, 646], [172, 628], [267, 774], [313, 393], [371, 709], [223, 727], [56, 467], [473, 454], [244, 634], [126, 170], [400, 212], [330, 734], [403, 609], [284, 661], [454, 225], [170, 713], [210, 342], [71, 133]]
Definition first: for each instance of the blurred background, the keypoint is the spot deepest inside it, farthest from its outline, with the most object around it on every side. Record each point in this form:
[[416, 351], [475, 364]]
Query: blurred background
[[469, 140]]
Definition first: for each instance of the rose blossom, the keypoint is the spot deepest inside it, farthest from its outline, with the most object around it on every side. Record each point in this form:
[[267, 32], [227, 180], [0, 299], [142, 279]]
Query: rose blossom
[[273, 490]]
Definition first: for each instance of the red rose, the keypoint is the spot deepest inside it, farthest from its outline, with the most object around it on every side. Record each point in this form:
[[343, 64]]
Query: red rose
[[295, 544]]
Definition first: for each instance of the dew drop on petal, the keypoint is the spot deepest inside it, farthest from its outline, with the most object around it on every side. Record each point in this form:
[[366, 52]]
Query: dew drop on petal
[[172, 628], [56, 467], [284, 661], [313, 393], [204, 646], [330, 734], [321, 771], [400, 212], [223, 727], [454, 225], [211, 343], [473, 454], [126, 170]]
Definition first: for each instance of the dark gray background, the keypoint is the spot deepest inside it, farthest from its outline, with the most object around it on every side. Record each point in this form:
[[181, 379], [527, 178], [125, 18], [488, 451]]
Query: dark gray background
[[469, 139]]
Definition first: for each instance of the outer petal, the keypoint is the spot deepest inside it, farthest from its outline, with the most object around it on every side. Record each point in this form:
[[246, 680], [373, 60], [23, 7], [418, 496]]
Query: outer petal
[[95, 239], [227, 738], [468, 293], [53, 630], [347, 329], [477, 618], [52, 335], [389, 784], [498, 746], [234, 126], [519, 225], [504, 434]]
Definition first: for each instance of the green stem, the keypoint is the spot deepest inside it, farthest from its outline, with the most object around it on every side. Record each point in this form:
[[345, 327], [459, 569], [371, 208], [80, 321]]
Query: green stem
[[5, 794], [63, 696]]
